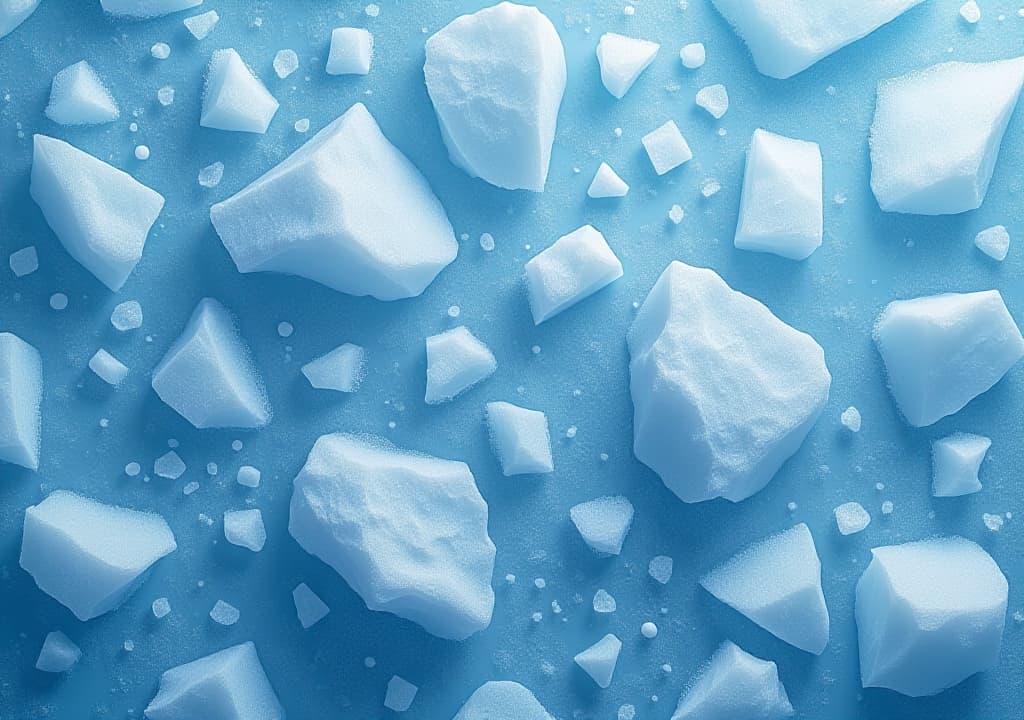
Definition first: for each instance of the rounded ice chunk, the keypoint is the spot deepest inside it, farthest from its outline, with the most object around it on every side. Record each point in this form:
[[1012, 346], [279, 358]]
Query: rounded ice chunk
[[622, 59], [245, 529], [248, 476], [285, 62], [309, 608], [58, 654], [666, 147], [994, 242], [693, 55], [956, 460], [234, 98], [79, 97], [603, 523], [342, 369], [147, 8], [351, 51], [24, 261], [21, 395], [607, 183], [13, 13], [520, 439], [502, 700], [599, 660], [127, 316], [851, 518], [456, 361]]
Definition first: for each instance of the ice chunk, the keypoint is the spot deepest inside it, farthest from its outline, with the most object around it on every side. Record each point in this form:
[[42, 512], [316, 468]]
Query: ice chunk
[[850, 419], [79, 97], [342, 369], [347, 210], [127, 316], [788, 37], [169, 465], [207, 375], [781, 205], [851, 518], [502, 700], [929, 615], [245, 529], [693, 55], [956, 460], [660, 568], [234, 98], [693, 343], [248, 476], [942, 351], [603, 602], [970, 12], [108, 368], [308, 606], [598, 660], [58, 654], [211, 175], [100, 214], [936, 134], [351, 51], [285, 63], [607, 183], [89, 556], [603, 523], [519, 438], [735, 685], [776, 583], [224, 613], [456, 361], [201, 25], [13, 13], [147, 8], [408, 532], [666, 147], [400, 694], [575, 267], [714, 99], [227, 685], [496, 79], [622, 59], [21, 394], [994, 242], [24, 262], [161, 608]]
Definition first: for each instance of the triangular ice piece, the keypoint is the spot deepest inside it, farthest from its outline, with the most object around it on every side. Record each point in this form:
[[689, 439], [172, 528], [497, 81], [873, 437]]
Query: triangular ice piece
[[735, 685], [956, 460], [607, 183], [502, 700], [456, 361], [598, 660], [21, 392], [309, 608], [622, 59], [603, 523], [79, 97], [234, 98]]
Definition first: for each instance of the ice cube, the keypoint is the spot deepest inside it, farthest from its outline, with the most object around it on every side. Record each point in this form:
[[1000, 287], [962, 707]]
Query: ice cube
[[147, 8], [735, 685], [108, 368], [607, 183], [994, 242], [79, 97], [714, 99], [851, 518], [400, 694], [245, 529], [666, 147], [21, 395], [13, 13], [603, 523], [351, 51], [201, 25], [308, 606], [224, 613], [502, 700], [956, 460], [342, 369], [234, 98], [24, 262], [456, 361], [622, 59], [58, 654], [693, 55], [285, 63], [598, 660], [519, 438]]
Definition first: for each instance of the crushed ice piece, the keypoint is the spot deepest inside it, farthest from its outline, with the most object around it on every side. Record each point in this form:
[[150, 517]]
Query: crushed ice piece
[[603, 602], [598, 660], [676, 214], [351, 51], [502, 700], [660, 568], [309, 608], [626, 712], [929, 615], [710, 187], [400, 694], [201, 25], [245, 529], [851, 518], [132, 469], [942, 351], [248, 476], [487, 242], [160, 51], [496, 79], [994, 242], [649, 630], [693, 55], [622, 60], [190, 488], [372, 10], [666, 147], [850, 419], [301, 125], [776, 583], [13, 13], [607, 183], [79, 97], [211, 175], [887, 507], [285, 62], [519, 438], [165, 95], [24, 262], [714, 99], [456, 361], [342, 369], [169, 465], [992, 522], [224, 613], [89, 556], [956, 460], [234, 98], [161, 607], [146, 9], [127, 316], [408, 532], [108, 368], [603, 523], [694, 341], [58, 654], [970, 12]]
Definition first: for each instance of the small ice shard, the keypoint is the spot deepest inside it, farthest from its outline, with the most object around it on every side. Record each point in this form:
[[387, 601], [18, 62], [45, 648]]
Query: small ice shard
[[714, 99], [936, 134], [603, 523], [351, 51], [127, 316], [347, 210], [285, 63], [100, 214], [851, 518], [502, 700], [108, 368], [13, 13], [147, 8], [234, 98], [607, 183], [598, 660], [781, 205], [245, 529], [201, 25], [942, 351], [660, 568], [666, 147], [994, 242], [21, 394], [208, 376], [929, 615], [622, 59], [248, 476], [24, 262], [496, 79], [161, 608], [788, 37], [735, 685], [408, 532], [970, 12], [519, 438], [89, 556], [400, 694], [224, 613], [693, 55], [956, 460], [227, 685], [160, 51], [169, 465], [693, 343], [58, 654], [342, 369], [603, 602], [456, 361], [850, 419], [211, 175], [79, 97], [776, 583], [575, 267], [309, 608]]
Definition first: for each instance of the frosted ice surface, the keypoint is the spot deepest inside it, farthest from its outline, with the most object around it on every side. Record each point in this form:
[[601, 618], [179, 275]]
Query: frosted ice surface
[[21, 394], [496, 79], [694, 341], [351, 51], [622, 59], [201, 25], [936, 134], [929, 615], [956, 460], [851, 518], [520, 439], [169, 465], [147, 8], [603, 602], [342, 369], [693, 55], [408, 532], [400, 694], [666, 147], [776, 583], [942, 351], [224, 613], [13, 13], [211, 175], [735, 685], [603, 523], [127, 316], [607, 183], [347, 210], [89, 556], [245, 529], [309, 608], [108, 368], [599, 660], [79, 97], [781, 206], [234, 98], [850, 419], [714, 99], [502, 700], [100, 214], [24, 262], [660, 568], [575, 267], [161, 608], [994, 242], [248, 476], [285, 63], [456, 361], [227, 685], [58, 654]]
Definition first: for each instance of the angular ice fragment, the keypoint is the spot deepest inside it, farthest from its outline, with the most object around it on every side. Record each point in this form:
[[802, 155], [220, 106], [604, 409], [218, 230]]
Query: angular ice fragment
[[408, 532], [347, 210], [956, 460], [519, 438], [127, 316], [781, 206], [575, 267], [108, 368], [100, 214], [201, 25], [850, 419], [58, 654], [456, 361], [224, 613], [942, 351], [603, 602], [308, 606], [13, 13], [351, 51], [936, 134], [248, 476], [234, 98], [714, 99], [693, 343], [24, 262], [776, 583], [970, 12], [400, 694], [496, 79], [598, 660], [693, 55], [603, 523], [666, 147], [211, 175], [342, 369], [285, 63], [79, 97], [660, 568], [851, 518], [929, 615], [161, 608], [622, 59], [89, 556], [607, 183], [994, 242], [502, 700], [169, 465], [21, 394], [147, 8], [245, 529]]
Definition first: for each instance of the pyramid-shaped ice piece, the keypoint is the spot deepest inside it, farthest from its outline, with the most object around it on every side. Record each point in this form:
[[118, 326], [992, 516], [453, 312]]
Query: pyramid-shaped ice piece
[[956, 460], [147, 8], [599, 660], [735, 685], [456, 361], [89, 556], [496, 79], [58, 654], [208, 375], [309, 608], [21, 393], [79, 97], [607, 183], [622, 59], [342, 369], [603, 523], [348, 210], [100, 214], [234, 98], [520, 439], [502, 700], [13, 13], [936, 135], [776, 583], [227, 685]]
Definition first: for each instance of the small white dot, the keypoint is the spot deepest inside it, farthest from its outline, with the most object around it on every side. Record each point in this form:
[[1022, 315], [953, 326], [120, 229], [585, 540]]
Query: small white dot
[[285, 329], [649, 630], [58, 301], [142, 152]]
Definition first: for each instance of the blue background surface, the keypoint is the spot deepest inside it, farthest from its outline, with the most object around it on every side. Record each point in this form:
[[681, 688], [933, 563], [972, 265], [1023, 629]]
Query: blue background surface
[[579, 377]]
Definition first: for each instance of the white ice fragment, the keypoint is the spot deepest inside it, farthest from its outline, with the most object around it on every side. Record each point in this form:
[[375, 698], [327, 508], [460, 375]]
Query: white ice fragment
[[666, 147], [190, 488], [776, 583], [79, 97], [351, 51], [285, 62], [714, 99], [309, 608], [58, 654], [929, 615], [850, 419], [575, 267], [676, 214], [992, 522], [89, 556], [224, 613], [710, 187], [693, 55], [211, 175], [161, 607], [942, 351], [994, 242], [24, 262], [146, 8], [694, 341], [603, 523], [21, 394], [598, 660], [603, 602], [245, 529], [956, 460], [234, 98], [851, 518], [622, 59], [520, 439], [496, 79], [201, 25], [660, 568], [502, 700], [248, 476], [160, 51], [108, 368], [169, 465], [165, 95], [342, 369], [400, 694], [970, 12], [456, 361], [127, 316], [607, 183], [13, 13]]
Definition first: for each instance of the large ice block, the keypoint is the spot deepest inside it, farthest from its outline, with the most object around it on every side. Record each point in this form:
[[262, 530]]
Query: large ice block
[[21, 395]]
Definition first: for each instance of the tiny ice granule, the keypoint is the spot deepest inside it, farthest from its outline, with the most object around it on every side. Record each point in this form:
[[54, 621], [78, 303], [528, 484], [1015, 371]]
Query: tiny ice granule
[[454, 311], [190, 488], [649, 630], [161, 607], [571, 432], [302, 125], [887, 507], [537, 617], [132, 469], [129, 645], [373, 10], [970, 12], [660, 568], [487, 242], [141, 152], [676, 214], [710, 187], [539, 582], [992, 522], [160, 51], [850, 419], [285, 63], [369, 662], [224, 613], [211, 469], [165, 95], [58, 301], [603, 602], [211, 175], [285, 329]]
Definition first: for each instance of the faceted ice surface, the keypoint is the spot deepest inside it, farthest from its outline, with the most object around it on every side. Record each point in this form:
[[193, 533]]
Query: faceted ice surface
[[520, 439], [851, 518], [342, 369], [13, 13], [603, 523], [309, 608], [169, 465], [994, 242], [351, 51], [956, 460], [234, 98], [607, 183], [200, 25], [245, 529], [400, 694], [598, 660], [147, 8], [79, 97], [456, 361], [666, 147], [502, 700], [58, 654], [622, 59], [108, 368], [21, 393]]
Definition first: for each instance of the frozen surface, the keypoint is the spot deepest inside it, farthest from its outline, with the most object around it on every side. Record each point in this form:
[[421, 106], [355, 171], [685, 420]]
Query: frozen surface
[[520, 439], [21, 394], [956, 460], [234, 98], [79, 97], [309, 608], [666, 147], [245, 528], [351, 51], [598, 661], [146, 8], [607, 183], [622, 59], [58, 654], [400, 694], [603, 523], [456, 361], [13, 13], [342, 369], [502, 700]]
